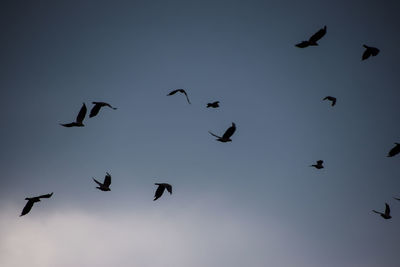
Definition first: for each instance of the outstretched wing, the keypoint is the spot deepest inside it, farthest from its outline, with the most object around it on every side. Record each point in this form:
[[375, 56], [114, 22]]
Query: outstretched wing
[[68, 124], [303, 44], [318, 35], [45, 196], [214, 135], [366, 54], [319, 162], [169, 188], [387, 209], [107, 180], [97, 182], [27, 207], [159, 191], [81, 114], [396, 198], [333, 101], [377, 212], [173, 92], [95, 110], [394, 151], [229, 132], [187, 98], [374, 51]]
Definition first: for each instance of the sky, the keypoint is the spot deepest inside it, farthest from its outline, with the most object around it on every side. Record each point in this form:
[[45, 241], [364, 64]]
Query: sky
[[251, 202]]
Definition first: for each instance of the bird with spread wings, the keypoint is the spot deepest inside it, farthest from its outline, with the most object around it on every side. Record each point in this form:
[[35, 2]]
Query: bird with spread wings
[[226, 137]]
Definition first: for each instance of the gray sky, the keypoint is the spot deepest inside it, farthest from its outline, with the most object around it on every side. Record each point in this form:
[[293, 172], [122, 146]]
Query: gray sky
[[252, 202]]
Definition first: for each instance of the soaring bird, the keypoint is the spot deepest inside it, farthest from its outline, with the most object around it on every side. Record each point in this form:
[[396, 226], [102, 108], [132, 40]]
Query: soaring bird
[[79, 118], [160, 190], [332, 99], [105, 186], [97, 106], [227, 135], [394, 151], [318, 165], [31, 201], [313, 39], [213, 104], [369, 51], [385, 215], [180, 91]]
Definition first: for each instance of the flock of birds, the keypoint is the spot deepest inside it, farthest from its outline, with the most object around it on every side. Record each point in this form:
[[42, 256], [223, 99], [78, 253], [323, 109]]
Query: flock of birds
[[226, 137]]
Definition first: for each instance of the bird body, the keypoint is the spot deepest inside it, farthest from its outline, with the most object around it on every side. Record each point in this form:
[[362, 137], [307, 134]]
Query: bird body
[[31, 201], [394, 151], [385, 215], [227, 135], [180, 91], [312, 41], [213, 104], [369, 51], [318, 165], [105, 186], [97, 106], [160, 190], [332, 99], [79, 119]]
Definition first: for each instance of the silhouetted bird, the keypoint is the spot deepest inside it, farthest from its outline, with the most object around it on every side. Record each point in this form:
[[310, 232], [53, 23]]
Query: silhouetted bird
[[160, 190], [213, 104], [313, 39], [180, 91], [105, 186], [394, 151], [396, 198], [31, 201], [369, 51], [97, 106], [79, 118], [318, 165], [332, 99], [385, 215], [227, 135]]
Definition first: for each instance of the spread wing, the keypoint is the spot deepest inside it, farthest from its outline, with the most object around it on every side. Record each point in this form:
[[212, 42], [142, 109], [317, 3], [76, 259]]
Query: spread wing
[[333, 101], [229, 132], [387, 209], [214, 135], [81, 114], [396, 198], [97, 182], [68, 124], [45, 196], [377, 212], [169, 188], [173, 92], [27, 208], [318, 35], [374, 51], [394, 151], [159, 191], [319, 162], [95, 110], [107, 180], [366, 54], [303, 44], [187, 98]]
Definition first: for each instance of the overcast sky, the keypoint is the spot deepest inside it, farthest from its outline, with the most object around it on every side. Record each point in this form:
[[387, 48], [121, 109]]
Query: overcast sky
[[252, 202]]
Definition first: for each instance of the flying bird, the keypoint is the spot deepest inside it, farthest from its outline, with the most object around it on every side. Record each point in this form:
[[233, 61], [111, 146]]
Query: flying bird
[[385, 215], [332, 99], [180, 91], [369, 51], [31, 201], [213, 104], [160, 190], [79, 118], [394, 151], [105, 186], [313, 39], [318, 165], [227, 135], [97, 106]]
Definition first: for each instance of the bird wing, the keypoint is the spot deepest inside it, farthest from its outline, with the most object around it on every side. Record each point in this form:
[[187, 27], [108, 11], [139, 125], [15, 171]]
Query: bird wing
[[333, 101], [108, 105], [27, 208], [68, 124], [396, 198], [377, 212], [374, 51], [394, 151], [303, 44], [366, 54], [214, 135], [318, 35], [187, 98], [229, 132], [387, 209], [173, 92], [319, 162], [159, 191], [169, 188], [81, 114], [45, 196], [107, 180], [97, 182], [95, 110]]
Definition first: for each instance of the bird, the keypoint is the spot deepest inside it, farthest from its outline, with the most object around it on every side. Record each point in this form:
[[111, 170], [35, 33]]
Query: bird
[[105, 186], [318, 165], [394, 151], [313, 39], [396, 198], [180, 91], [332, 99], [97, 106], [369, 51], [31, 201], [79, 118], [227, 135], [213, 104], [160, 190], [385, 215]]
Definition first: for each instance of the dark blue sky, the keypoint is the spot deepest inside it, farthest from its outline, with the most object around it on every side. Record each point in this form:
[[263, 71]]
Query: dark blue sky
[[251, 202]]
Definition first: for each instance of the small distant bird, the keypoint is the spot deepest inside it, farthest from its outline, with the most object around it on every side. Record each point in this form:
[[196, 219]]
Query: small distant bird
[[332, 99], [79, 118], [394, 151], [180, 91], [213, 104], [160, 190], [369, 51], [97, 106], [105, 186], [313, 39], [385, 215], [396, 198], [31, 201], [318, 165], [227, 135]]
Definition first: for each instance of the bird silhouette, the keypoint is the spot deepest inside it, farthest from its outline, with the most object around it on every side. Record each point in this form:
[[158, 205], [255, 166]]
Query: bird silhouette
[[180, 91], [313, 39], [105, 186], [227, 135], [385, 215], [369, 51], [318, 165], [31, 201], [79, 118], [97, 106], [213, 104], [160, 190], [394, 151], [332, 99]]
